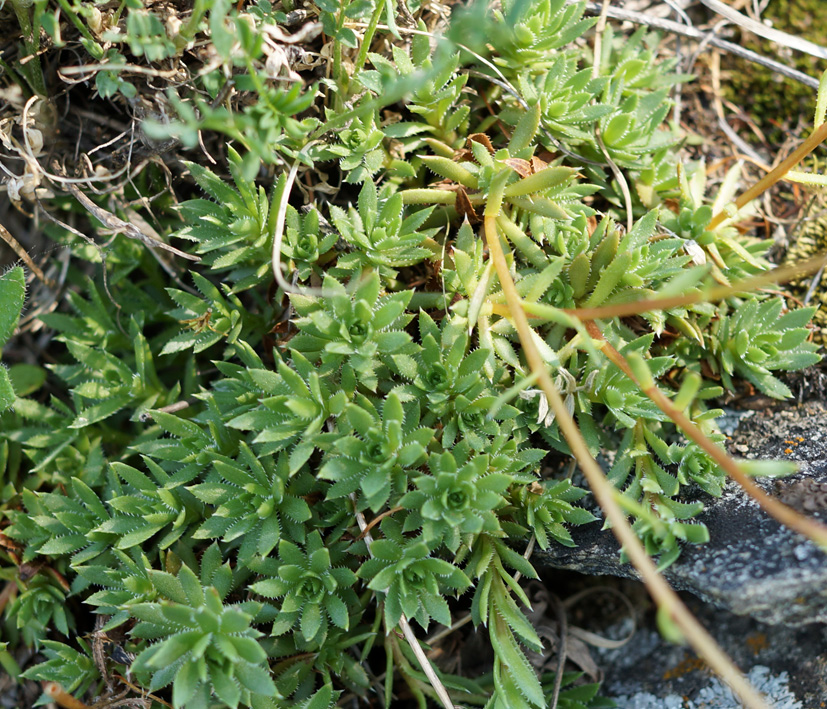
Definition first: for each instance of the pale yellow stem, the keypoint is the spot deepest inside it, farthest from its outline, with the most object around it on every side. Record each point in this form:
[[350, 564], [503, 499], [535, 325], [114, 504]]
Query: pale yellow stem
[[786, 515], [603, 491], [818, 136]]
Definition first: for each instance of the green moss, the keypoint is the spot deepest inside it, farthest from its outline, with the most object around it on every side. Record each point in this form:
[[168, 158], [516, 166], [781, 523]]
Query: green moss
[[778, 105]]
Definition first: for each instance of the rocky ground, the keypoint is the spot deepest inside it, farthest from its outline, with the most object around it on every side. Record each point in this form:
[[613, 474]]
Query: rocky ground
[[757, 586]]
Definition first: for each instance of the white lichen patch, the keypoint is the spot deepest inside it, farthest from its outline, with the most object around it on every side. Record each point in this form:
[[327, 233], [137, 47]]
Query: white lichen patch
[[716, 695]]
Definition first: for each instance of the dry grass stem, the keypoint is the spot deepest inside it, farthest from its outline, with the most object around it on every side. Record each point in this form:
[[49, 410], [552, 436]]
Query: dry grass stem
[[786, 515], [818, 136], [62, 698], [604, 493], [23, 255], [686, 31], [405, 626]]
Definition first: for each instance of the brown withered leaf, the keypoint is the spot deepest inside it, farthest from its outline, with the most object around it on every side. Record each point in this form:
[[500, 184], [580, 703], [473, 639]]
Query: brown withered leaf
[[520, 166], [482, 139], [29, 570], [673, 205], [591, 225], [464, 155], [6, 543], [60, 578], [464, 207], [537, 164]]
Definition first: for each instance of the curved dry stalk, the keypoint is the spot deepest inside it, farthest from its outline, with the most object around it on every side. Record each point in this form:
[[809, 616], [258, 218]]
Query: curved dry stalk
[[278, 236], [405, 626], [781, 274], [5, 234], [810, 528], [818, 136], [661, 592], [116, 225]]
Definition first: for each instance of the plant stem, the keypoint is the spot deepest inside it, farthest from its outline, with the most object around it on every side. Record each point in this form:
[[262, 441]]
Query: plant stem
[[787, 516], [816, 138], [62, 698], [341, 81], [188, 31], [407, 631], [368, 38], [82, 28], [604, 493], [762, 280], [33, 75], [6, 236]]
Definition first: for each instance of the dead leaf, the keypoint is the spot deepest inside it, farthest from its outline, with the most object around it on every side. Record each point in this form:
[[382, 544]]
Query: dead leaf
[[482, 139]]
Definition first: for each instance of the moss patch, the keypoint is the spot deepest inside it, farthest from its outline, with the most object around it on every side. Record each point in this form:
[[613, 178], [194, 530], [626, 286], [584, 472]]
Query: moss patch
[[778, 105]]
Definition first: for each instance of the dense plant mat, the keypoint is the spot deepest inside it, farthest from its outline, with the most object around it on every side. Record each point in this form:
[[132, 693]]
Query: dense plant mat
[[324, 299]]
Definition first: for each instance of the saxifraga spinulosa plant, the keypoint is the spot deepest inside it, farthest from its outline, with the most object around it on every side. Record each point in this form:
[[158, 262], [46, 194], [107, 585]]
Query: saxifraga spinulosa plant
[[255, 472]]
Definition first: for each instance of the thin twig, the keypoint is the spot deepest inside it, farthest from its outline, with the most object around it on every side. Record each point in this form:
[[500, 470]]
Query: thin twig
[[787, 516], [563, 631], [813, 285], [132, 68], [781, 274], [787, 40], [278, 236], [445, 632], [95, 245], [407, 631], [604, 492], [718, 104], [621, 179], [116, 225], [376, 520], [816, 138], [677, 28], [24, 256], [135, 688], [170, 409]]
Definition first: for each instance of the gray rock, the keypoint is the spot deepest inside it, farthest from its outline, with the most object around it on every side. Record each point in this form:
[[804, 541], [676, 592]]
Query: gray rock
[[752, 565], [788, 665]]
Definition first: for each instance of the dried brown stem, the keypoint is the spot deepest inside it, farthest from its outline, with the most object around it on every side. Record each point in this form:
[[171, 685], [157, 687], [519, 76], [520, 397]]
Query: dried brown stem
[[818, 136], [115, 224], [405, 626], [776, 275], [786, 515], [62, 698], [604, 493], [25, 258]]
